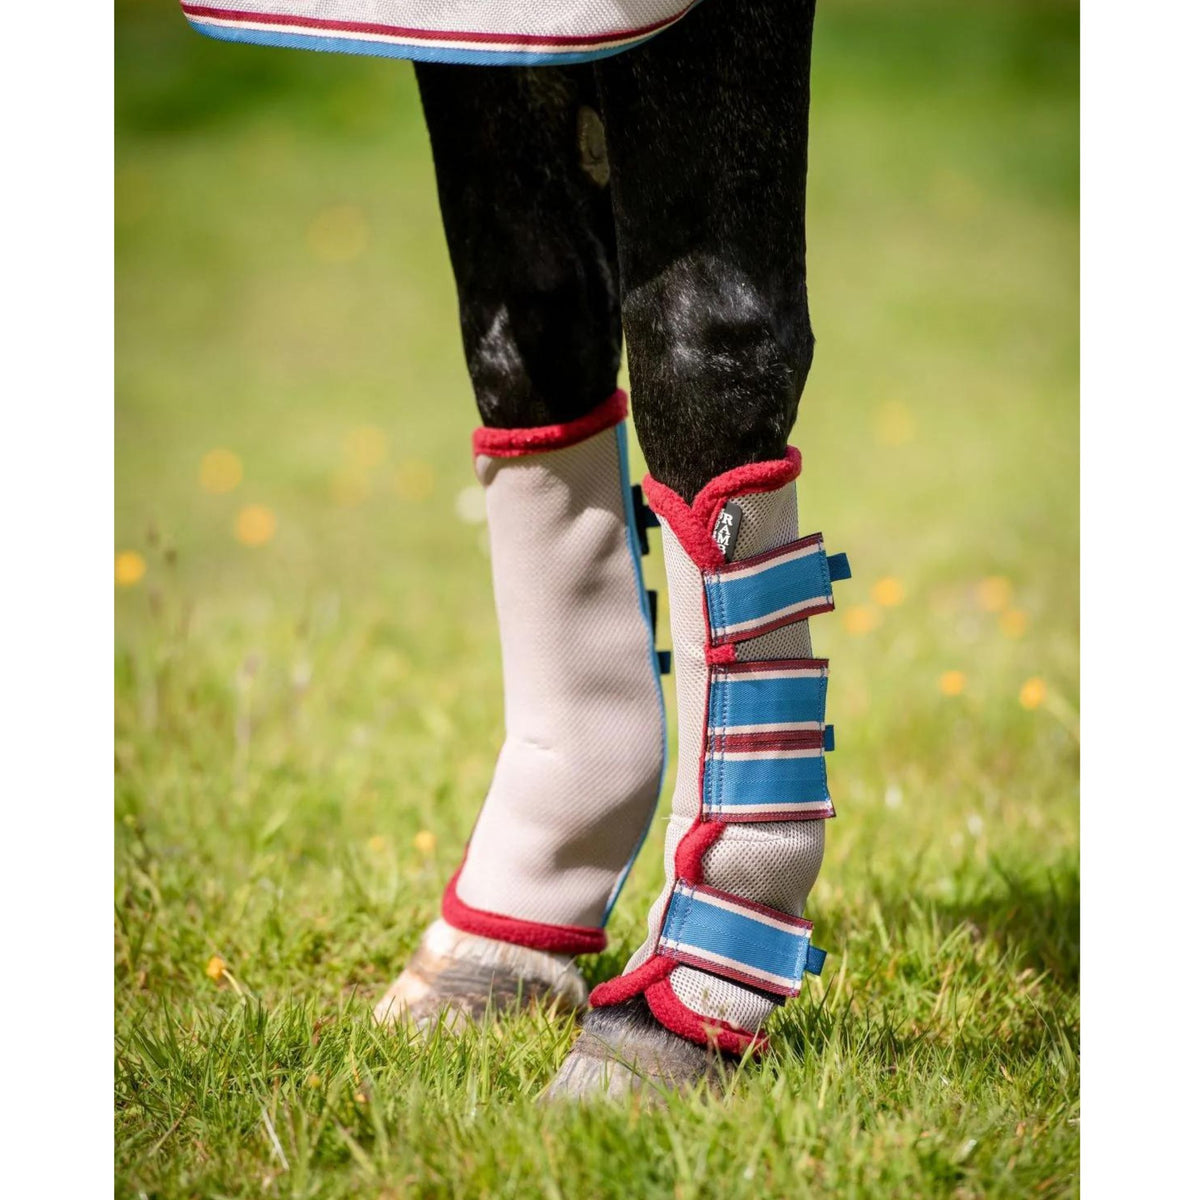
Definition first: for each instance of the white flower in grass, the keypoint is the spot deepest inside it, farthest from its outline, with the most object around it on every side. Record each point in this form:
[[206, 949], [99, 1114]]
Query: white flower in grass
[[470, 505]]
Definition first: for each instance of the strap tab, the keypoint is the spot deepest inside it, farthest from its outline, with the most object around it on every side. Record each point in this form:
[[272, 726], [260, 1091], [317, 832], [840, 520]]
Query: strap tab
[[764, 756], [644, 518], [739, 939], [839, 567], [664, 662], [830, 744], [768, 591]]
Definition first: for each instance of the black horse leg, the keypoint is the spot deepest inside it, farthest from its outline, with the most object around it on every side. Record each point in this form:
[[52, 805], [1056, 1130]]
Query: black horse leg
[[522, 179], [707, 141], [707, 130], [528, 219]]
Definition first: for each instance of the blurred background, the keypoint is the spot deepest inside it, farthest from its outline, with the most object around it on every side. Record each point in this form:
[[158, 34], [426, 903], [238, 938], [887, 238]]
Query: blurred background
[[307, 666]]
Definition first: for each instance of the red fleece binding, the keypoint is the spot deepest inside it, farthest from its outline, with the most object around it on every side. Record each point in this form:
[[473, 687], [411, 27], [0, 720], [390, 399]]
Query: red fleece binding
[[672, 1013], [555, 939], [625, 986], [514, 443], [693, 523]]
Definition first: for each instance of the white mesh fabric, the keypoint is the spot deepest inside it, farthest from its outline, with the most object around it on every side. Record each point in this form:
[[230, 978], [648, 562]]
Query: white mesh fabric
[[685, 593], [578, 775], [772, 863]]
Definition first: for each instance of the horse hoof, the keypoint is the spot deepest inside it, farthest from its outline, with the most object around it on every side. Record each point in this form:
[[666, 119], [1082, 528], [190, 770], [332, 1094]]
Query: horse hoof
[[456, 978], [623, 1050]]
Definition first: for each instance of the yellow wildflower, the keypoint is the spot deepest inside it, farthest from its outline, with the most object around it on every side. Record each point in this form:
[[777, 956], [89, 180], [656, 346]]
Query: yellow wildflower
[[952, 683], [860, 618], [130, 567], [255, 525], [993, 593], [888, 592]]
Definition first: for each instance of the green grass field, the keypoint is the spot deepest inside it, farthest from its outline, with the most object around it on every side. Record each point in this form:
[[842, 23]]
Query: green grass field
[[308, 689]]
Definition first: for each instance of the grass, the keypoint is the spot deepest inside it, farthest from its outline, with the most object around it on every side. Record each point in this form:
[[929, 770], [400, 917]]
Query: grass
[[292, 715]]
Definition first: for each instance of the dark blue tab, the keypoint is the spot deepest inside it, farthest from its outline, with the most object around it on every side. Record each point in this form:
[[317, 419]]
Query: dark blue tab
[[643, 518], [814, 963], [652, 601], [839, 566], [664, 662], [829, 743]]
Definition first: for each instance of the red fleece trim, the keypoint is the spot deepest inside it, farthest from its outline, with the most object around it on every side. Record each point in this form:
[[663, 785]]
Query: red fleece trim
[[555, 939], [693, 523], [624, 986], [514, 443], [673, 1014], [693, 846]]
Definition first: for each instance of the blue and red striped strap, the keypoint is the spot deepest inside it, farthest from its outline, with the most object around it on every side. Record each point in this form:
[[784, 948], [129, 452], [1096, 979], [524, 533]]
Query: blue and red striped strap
[[739, 939], [768, 591], [766, 741]]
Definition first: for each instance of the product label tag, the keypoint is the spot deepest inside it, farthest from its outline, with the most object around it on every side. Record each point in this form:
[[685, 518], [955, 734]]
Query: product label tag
[[725, 532]]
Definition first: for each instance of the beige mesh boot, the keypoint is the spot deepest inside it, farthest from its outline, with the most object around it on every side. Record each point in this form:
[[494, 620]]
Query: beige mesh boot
[[581, 766], [727, 941]]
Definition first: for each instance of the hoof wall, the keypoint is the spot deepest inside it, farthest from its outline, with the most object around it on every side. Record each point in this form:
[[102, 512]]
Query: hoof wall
[[455, 979], [623, 1050]]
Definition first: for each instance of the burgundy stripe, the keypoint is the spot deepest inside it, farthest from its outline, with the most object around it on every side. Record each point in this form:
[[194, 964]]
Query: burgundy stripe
[[421, 35], [773, 664], [786, 739]]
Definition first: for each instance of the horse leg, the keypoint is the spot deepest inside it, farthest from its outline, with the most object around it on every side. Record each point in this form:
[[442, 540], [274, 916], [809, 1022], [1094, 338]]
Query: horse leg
[[707, 141], [522, 181]]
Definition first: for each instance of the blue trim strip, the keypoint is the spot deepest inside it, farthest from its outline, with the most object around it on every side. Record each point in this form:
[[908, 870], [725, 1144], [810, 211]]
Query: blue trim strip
[[747, 699], [735, 600], [698, 927], [418, 53], [635, 555]]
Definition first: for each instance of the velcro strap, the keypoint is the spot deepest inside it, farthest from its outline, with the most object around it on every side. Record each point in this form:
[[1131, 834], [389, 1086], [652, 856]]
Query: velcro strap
[[739, 939], [764, 756], [792, 583]]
